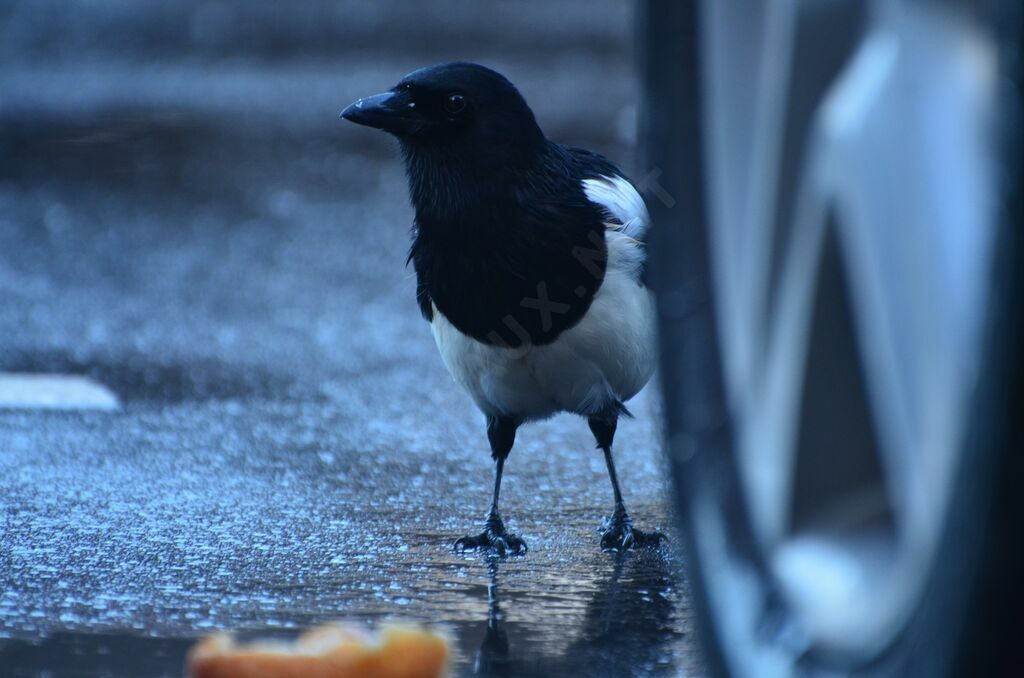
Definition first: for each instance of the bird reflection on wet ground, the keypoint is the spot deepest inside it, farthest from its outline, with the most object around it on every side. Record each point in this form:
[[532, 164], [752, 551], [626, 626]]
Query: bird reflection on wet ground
[[632, 621], [493, 656], [627, 626]]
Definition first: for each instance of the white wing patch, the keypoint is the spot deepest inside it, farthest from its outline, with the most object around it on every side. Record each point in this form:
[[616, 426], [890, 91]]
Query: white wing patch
[[625, 234], [622, 201]]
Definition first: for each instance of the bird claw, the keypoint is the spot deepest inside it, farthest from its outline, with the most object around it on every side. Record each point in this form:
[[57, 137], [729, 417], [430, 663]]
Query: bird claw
[[502, 544], [618, 534], [493, 537]]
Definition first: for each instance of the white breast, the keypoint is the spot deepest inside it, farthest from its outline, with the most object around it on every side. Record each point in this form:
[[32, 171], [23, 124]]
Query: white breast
[[607, 357]]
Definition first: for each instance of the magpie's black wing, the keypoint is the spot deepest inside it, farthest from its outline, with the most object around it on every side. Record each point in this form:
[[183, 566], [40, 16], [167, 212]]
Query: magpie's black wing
[[593, 165], [525, 266]]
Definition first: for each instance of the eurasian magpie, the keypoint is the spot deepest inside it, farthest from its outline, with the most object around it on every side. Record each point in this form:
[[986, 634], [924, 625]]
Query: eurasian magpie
[[528, 257]]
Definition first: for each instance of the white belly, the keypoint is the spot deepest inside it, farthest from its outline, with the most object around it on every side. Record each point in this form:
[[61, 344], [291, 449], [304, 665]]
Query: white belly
[[606, 357]]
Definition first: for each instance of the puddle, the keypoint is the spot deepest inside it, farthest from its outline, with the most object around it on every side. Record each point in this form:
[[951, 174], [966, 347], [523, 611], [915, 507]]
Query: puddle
[[628, 618], [94, 654]]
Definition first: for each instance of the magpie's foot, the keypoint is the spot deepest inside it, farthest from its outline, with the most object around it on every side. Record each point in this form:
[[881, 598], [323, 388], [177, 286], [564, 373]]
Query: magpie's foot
[[618, 534], [501, 543], [494, 537]]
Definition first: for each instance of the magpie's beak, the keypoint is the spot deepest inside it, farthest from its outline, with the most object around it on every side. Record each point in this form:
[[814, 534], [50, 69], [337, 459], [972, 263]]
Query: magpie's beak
[[388, 111]]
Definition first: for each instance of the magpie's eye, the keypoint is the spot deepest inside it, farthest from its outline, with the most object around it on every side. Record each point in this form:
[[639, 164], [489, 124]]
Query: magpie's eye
[[454, 104]]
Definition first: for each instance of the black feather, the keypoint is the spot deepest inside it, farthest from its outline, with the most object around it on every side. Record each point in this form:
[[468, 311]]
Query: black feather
[[506, 245]]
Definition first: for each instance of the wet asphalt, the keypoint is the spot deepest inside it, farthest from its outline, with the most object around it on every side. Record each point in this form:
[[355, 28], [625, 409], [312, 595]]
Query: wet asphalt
[[184, 219]]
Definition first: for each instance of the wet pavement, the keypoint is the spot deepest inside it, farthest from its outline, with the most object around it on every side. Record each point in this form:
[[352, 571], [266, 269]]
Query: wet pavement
[[191, 226]]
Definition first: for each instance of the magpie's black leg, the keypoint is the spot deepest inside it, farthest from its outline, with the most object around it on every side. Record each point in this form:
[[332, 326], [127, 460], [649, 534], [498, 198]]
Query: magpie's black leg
[[617, 531], [501, 432]]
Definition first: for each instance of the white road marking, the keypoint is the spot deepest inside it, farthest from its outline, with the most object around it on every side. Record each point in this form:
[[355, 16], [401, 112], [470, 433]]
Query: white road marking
[[54, 392]]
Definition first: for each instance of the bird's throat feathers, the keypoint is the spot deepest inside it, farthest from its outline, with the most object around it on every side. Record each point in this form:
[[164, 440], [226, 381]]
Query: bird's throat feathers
[[453, 184]]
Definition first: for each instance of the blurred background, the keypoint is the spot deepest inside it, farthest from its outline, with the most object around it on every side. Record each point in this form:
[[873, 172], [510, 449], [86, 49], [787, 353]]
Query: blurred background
[[184, 220]]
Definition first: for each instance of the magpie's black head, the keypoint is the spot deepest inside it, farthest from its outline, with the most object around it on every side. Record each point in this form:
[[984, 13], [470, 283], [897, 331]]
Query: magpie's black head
[[461, 110]]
